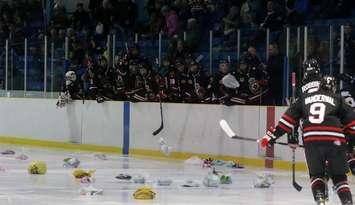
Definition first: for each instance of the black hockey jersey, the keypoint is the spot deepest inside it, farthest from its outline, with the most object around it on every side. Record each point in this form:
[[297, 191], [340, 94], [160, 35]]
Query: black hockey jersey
[[326, 118]]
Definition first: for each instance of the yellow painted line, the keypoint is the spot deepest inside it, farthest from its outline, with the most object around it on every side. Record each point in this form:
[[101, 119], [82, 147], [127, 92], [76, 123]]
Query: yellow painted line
[[58, 145], [144, 153]]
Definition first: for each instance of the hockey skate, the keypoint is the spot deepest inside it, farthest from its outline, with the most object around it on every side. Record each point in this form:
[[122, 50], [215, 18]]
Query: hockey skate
[[320, 198]]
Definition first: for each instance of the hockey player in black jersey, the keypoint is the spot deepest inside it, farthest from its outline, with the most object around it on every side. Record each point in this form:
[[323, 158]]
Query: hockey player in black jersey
[[310, 83], [326, 119]]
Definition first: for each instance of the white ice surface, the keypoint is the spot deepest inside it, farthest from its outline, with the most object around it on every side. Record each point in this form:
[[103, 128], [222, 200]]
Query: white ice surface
[[58, 187]]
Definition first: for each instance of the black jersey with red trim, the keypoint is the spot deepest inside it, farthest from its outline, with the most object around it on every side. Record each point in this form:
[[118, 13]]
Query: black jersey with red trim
[[326, 118]]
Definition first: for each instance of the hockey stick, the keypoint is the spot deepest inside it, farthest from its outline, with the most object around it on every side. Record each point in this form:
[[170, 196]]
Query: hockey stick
[[294, 183], [227, 129], [161, 119]]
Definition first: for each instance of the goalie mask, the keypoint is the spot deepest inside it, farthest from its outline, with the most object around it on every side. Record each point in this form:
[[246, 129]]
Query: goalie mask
[[70, 77]]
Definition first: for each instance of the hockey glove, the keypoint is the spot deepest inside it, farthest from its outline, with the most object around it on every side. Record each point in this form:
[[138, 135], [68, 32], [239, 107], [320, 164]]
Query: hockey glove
[[268, 139]]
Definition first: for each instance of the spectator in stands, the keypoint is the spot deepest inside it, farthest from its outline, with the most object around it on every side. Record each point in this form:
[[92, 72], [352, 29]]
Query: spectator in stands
[[349, 50], [61, 35], [183, 11], [251, 58], [99, 32], [274, 19], [178, 50], [81, 17], [249, 12], [231, 21], [156, 23], [192, 34], [126, 11], [4, 32], [59, 18], [94, 5], [275, 71], [53, 37], [335, 8], [171, 21], [293, 18]]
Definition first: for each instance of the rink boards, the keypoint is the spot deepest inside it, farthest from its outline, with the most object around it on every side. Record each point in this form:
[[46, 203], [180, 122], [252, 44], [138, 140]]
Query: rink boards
[[122, 127]]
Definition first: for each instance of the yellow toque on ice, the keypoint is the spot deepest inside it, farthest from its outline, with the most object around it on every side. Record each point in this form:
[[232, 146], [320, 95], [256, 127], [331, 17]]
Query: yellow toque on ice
[[144, 193], [80, 173]]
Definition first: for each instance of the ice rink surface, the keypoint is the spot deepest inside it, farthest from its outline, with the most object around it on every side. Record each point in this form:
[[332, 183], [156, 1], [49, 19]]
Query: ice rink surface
[[58, 186]]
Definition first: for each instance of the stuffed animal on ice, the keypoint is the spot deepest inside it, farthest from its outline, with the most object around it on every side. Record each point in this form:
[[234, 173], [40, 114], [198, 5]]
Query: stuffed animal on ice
[[37, 167]]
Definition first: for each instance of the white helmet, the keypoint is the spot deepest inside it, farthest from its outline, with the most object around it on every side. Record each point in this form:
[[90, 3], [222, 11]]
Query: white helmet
[[70, 77]]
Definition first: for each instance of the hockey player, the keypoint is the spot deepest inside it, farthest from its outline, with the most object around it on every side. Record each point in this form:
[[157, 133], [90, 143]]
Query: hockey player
[[310, 83], [196, 83], [326, 119], [173, 82], [72, 89], [219, 90], [145, 86]]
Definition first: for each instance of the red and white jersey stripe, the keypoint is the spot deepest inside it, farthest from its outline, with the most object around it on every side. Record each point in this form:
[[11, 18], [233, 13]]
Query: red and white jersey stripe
[[287, 123], [323, 133], [350, 128]]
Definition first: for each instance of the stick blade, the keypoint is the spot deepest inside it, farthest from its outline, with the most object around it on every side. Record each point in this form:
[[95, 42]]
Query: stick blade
[[158, 130], [226, 128], [297, 186]]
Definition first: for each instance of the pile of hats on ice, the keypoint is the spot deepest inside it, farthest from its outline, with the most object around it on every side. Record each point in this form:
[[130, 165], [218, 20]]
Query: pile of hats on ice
[[210, 162], [86, 180]]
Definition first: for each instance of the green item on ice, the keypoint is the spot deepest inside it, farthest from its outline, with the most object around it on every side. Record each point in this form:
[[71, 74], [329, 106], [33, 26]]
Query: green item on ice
[[225, 179]]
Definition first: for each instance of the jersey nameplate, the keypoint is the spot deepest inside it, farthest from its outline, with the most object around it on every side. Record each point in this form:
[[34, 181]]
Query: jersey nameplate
[[319, 98]]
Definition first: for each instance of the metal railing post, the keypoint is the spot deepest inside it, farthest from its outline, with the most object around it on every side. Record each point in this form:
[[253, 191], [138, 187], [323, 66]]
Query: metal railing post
[[52, 68], [6, 64], [267, 43], [341, 53], [25, 69], [305, 49], [45, 66], [211, 51]]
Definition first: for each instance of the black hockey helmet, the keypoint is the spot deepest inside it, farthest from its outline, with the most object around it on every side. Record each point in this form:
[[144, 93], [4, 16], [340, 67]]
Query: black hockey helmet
[[311, 68], [328, 83]]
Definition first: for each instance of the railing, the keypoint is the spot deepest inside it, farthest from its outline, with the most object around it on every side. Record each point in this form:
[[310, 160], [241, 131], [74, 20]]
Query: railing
[[29, 67]]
